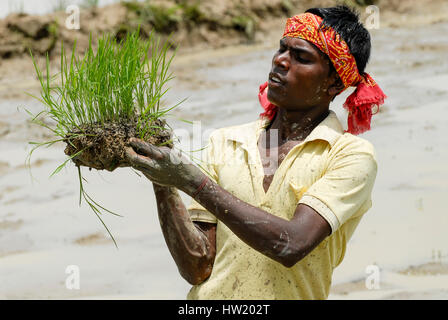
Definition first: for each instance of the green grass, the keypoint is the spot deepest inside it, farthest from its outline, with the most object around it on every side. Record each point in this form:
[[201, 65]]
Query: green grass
[[119, 81], [166, 19]]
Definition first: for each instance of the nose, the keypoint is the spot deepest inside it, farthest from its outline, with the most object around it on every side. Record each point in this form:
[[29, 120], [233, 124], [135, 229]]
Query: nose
[[282, 60]]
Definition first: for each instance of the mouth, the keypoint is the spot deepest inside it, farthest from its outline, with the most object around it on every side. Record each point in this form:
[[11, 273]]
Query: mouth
[[275, 79]]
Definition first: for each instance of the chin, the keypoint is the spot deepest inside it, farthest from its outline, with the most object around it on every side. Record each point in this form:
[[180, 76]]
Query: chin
[[272, 98]]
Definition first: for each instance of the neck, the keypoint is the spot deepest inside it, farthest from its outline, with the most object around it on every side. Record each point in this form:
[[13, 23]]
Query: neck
[[297, 125]]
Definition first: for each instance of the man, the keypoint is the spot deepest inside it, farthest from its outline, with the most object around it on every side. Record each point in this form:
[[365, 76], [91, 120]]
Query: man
[[282, 195]]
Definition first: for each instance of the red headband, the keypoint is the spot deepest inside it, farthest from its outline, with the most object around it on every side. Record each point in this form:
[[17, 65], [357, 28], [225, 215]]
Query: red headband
[[359, 104]]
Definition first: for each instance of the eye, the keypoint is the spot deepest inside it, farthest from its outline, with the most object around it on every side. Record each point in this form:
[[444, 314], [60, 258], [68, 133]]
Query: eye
[[299, 57]]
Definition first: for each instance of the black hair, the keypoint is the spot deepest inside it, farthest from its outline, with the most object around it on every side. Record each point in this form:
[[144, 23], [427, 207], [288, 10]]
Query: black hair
[[345, 21]]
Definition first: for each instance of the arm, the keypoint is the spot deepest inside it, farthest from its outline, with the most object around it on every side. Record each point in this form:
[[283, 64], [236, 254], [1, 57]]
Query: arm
[[284, 241], [192, 245]]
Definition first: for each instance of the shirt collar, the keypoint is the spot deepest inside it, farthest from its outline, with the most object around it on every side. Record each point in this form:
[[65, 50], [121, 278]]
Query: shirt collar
[[329, 129]]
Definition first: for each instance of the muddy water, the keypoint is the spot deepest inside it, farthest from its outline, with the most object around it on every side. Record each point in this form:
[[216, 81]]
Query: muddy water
[[43, 230]]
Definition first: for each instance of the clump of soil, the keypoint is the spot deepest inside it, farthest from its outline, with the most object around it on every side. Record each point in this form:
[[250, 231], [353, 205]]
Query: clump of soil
[[104, 144]]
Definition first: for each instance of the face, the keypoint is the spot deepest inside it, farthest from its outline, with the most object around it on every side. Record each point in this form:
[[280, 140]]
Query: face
[[300, 76]]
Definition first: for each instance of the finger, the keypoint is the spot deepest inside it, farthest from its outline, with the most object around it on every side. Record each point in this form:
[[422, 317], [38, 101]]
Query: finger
[[137, 160], [140, 146], [145, 148], [130, 154], [148, 174]]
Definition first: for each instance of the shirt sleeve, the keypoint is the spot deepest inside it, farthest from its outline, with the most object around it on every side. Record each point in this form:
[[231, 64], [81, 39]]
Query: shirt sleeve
[[344, 190], [207, 165]]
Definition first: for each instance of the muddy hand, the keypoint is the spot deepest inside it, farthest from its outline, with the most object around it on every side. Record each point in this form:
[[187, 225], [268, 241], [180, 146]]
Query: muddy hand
[[163, 165]]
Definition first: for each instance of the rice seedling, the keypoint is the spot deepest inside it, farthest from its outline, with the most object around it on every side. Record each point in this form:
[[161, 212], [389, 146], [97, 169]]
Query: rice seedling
[[102, 99]]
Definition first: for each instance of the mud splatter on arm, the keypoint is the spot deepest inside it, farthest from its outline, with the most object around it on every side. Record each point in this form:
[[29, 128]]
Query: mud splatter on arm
[[192, 245]]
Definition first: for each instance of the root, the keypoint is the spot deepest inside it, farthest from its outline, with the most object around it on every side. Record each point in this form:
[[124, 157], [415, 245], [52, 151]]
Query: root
[[104, 145]]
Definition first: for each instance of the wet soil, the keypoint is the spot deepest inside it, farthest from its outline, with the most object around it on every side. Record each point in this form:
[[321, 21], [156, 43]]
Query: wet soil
[[102, 146]]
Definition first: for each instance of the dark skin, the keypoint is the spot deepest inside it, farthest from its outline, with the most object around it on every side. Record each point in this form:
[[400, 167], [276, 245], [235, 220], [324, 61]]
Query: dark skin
[[302, 85], [297, 64]]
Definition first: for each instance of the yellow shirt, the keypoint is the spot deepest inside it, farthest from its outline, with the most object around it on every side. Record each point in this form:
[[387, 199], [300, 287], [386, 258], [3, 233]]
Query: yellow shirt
[[331, 171]]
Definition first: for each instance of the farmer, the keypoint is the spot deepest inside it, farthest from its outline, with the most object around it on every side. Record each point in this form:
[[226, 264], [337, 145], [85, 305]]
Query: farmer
[[279, 197]]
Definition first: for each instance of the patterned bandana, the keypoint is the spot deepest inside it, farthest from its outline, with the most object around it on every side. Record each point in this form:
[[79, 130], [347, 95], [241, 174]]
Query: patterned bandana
[[359, 104]]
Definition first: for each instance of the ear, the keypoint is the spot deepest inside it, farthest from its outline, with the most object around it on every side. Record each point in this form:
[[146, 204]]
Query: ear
[[336, 85]]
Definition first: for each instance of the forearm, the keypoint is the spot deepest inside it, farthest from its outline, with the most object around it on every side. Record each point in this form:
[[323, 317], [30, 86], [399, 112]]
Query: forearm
[[266, 233], [282, 240], [189, 247]]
